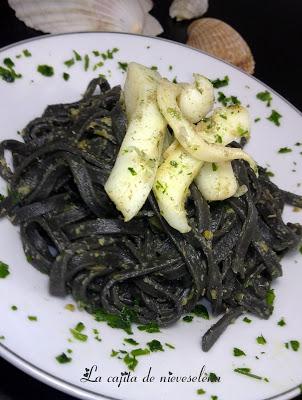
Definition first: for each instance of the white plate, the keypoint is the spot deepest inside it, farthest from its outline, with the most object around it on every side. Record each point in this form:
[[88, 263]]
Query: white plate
[[32, 346]]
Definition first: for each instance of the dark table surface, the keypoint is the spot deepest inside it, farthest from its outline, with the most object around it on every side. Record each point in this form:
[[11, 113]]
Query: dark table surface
[[273, 30]]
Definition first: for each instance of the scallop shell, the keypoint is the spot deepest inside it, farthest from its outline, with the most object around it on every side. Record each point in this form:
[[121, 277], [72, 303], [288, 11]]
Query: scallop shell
[[58, 16], [221, 40], [188, 9]]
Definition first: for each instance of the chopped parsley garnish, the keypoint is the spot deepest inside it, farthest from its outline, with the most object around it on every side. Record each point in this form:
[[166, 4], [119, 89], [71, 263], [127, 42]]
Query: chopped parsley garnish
[[218, 139], [63, 358], [200, 311], [208, 235], [130, 361], [66, 76], [175, 79], [132, 171], [2, 337], [69, 351], [8, 62], [8, 75], [154, 68], [170, 346], [214, 398], [247, 320], [114, 353], [151, 327], [247, 372], [123, 65], [45, 70], [170, 67], [265, 96], [261, 340], [96, 53], [32, 318], [139, 352], [70, 307], [218, 83], [269, 173], [162, 187], [200, 391], [227, 101], [294, 344], [131, 341], [86, 62], [109, 54], [214, 167], [188, 318], [257, 119], [121, 321], [270, 297], [14, 308], [98, 65], [275, 117], [281, 322], [155, 345], [77, 332], [173, 163], [213, 377], [4, 270], [238, 352], [77, 55], [69, 63], [26, 53], [284, 150]]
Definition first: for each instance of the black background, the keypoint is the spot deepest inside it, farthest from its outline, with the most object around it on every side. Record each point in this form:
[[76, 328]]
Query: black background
[[273, 30]]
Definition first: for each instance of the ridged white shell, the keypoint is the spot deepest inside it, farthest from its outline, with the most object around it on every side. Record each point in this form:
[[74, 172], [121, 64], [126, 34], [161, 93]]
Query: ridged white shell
[[58, 16], [188, 9]]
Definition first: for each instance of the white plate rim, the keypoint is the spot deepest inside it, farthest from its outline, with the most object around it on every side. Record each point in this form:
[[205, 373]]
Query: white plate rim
[[39, 373]]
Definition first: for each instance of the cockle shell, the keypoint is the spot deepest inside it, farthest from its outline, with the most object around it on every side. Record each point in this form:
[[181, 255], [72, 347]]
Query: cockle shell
[[221, 40], [58, 16], [188, 9]]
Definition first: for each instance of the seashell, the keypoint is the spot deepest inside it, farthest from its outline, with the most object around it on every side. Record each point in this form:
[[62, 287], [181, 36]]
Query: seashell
[[188, 9], [58, 16], [221, 40]]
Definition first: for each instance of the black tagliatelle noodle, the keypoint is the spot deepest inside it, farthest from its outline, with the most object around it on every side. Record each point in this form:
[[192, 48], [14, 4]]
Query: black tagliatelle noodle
[[71, 230]]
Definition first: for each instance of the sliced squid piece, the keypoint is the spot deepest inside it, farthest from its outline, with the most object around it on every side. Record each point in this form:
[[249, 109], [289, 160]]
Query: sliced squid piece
[[171, 186], [133, 174], [196, 100], [184, 131]]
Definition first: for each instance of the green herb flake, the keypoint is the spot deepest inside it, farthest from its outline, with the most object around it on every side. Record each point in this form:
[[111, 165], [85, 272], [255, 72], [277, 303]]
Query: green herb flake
[[154, 68], [247, 320], [200, 311], [257, 119], [77, 332], [77, 55], [261, 340], [131, 341], [218, 139], [14, 308], [227, 101], [114, 353], [27, 53], [130, 361], [175, 79], [9, 75], [109, 54], [275, 117], [238, 352], [213, 377], [151, 327], [270, 297], [96, 53], [155, 345], [174, 113], [300, 249], [265, 96], [2, 337], [69, 63], [282, 322], [214, 398], [269, 174], [123, 65], [170, 346], [170, 67], [32, 318], [121, 321], [173, 163], [45, 70], [200, 391], [132, 171], [8, 62], [247, 372], [140, 352], [4, 270], [70, 307], [63, 358], [214, 167], [86, 62], [1, 197], [69, 351], [218, 83], [161, 187], [284, 150], [188, 318], [294, 344], [98, 65], [66, 76]]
